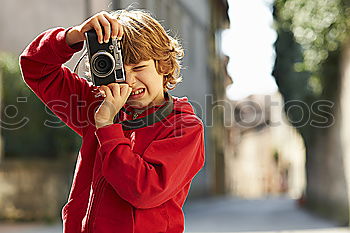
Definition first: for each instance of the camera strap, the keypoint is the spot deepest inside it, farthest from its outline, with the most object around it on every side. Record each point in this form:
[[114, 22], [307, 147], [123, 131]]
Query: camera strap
[[150, 119]]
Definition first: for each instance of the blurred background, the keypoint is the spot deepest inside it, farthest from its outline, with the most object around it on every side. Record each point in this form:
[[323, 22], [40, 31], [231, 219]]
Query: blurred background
[[270, 80]]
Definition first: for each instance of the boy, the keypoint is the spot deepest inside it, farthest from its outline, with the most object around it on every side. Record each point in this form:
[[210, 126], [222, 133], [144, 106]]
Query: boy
[[141, 147]]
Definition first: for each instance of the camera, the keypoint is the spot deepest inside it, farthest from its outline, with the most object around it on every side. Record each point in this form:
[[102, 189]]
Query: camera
[[106, 61]]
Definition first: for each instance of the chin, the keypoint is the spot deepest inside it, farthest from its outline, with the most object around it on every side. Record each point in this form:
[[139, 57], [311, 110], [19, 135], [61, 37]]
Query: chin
[[136, 104]]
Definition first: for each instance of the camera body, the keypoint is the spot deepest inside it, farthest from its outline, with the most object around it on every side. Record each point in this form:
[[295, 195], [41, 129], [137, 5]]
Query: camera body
[[106, 61]]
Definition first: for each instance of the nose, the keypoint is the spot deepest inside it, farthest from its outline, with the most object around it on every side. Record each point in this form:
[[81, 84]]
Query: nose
[[130, 79]]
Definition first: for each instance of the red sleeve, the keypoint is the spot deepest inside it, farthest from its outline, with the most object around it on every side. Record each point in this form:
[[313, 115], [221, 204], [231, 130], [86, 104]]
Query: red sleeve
[[62, 91], [164, 169]]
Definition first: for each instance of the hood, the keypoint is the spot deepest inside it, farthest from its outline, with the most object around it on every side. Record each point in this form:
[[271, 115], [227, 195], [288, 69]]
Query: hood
[[182, 105], [133, 120]]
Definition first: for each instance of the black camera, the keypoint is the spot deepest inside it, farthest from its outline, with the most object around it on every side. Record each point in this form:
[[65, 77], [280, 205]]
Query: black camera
[[106, 61]]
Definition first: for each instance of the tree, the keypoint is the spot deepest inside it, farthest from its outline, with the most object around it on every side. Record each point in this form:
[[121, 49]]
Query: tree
[[311, 39]]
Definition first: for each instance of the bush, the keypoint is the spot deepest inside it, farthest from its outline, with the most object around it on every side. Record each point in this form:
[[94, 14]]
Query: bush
[[23, 116]]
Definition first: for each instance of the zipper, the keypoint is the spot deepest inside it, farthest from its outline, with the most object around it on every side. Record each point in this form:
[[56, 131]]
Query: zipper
[[95, 203]]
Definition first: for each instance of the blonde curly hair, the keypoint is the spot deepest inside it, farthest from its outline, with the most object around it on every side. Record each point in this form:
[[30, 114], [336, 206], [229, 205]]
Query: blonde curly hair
[[145, 38]]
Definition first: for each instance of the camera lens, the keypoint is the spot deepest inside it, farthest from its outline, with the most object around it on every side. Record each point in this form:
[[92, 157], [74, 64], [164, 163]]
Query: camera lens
[[102, 63]]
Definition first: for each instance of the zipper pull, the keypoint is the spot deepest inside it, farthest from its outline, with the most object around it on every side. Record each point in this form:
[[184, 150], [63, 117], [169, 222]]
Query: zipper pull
[[135, 115]]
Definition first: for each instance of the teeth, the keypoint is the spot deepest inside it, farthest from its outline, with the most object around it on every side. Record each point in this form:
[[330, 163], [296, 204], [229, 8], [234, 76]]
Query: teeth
[[137, 92]]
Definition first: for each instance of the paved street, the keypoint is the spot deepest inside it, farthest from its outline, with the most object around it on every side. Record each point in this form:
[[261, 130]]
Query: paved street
[[230, 215], [267, 215]]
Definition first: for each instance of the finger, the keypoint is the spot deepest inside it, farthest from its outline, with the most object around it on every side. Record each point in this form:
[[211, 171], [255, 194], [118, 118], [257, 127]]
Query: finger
[[125, 90], [120, 32], [107, 91], [106, 27], [101, 92], [115, 25], [96, 25], [85, 28], [115, 89]]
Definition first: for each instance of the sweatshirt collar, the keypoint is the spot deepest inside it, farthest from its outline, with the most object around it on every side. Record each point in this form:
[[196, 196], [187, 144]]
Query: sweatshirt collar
[[149, 116]]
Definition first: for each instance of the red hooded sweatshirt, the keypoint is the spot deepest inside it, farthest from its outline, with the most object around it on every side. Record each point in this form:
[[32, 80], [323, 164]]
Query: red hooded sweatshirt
[[127, 179]]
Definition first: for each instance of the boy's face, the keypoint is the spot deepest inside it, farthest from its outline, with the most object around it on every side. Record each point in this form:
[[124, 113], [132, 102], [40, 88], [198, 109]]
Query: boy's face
[[146, 83]]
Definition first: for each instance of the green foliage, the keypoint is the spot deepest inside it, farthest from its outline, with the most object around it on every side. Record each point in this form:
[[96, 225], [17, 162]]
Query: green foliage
[[23, 116], [308, 49], [319, 26]]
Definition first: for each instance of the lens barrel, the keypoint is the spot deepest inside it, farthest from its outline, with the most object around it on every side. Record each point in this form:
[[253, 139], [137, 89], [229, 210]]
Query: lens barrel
[[103, 64]]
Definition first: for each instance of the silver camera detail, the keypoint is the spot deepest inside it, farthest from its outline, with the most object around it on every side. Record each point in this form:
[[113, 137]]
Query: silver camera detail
[[106, 61]]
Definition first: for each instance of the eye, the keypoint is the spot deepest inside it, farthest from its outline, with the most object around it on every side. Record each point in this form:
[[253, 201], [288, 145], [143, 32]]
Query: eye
[[138, 68]]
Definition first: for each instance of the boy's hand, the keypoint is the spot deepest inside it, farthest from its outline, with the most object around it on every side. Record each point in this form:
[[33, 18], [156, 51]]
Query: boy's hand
[[112, 29], [116, 96]]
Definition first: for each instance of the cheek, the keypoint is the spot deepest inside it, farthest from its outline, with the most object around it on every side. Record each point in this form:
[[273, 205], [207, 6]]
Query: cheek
[[160, 82], [153, 82], [159, 79]]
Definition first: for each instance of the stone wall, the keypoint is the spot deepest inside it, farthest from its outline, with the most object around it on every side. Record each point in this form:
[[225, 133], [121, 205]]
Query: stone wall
[[344, 130], [21, 21], [328, 166], [328, 162]]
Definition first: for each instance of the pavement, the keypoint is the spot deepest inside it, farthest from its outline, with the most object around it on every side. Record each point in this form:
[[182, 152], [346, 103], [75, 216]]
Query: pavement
[[232, 215], [262, 215]]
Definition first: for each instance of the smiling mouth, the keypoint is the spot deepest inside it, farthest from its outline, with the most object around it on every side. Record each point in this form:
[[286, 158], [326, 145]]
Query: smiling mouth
[[137, 92]]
